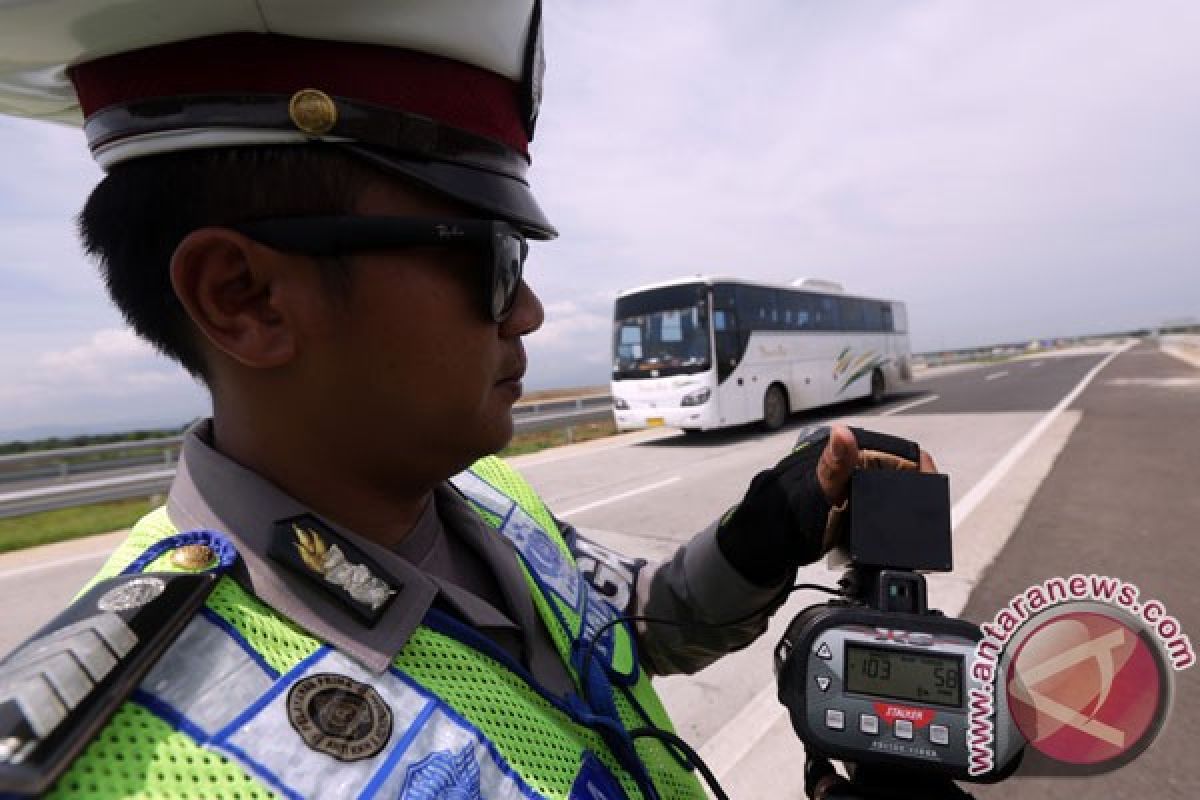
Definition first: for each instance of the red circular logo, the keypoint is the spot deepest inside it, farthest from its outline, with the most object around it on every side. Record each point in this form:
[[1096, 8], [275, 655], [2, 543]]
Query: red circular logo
[[1086, 689]]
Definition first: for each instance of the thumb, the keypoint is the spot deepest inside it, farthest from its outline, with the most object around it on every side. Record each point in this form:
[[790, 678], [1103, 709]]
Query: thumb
[[837, 463]]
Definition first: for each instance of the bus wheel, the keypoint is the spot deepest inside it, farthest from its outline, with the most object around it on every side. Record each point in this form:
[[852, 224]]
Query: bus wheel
[[878, 387], [775, 408]]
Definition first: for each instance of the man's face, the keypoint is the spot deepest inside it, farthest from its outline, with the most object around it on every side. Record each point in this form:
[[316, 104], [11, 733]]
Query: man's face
[[415, 373]]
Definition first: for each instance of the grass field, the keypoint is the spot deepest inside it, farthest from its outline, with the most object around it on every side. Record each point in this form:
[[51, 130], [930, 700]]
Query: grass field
[[524, 443], [17, 533]]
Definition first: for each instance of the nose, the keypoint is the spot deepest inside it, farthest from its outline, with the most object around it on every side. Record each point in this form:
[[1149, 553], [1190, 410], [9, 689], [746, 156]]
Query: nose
[[527, 314]]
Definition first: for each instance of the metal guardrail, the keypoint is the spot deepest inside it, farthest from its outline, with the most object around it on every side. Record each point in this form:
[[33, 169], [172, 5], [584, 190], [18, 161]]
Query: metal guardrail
[[574, 403], [62, 463], [164, 443], [66, 493], [78, 493]]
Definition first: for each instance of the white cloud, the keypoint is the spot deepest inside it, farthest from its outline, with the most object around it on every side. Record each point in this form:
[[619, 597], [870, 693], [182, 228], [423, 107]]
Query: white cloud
[[1012, 170], [113, 374], [572, 346], [937, 152], [107, 350]]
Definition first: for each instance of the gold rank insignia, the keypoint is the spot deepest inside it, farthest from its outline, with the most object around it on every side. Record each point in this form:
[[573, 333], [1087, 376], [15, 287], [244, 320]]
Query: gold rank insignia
[[313, 111], [193, 557], [317, 552]]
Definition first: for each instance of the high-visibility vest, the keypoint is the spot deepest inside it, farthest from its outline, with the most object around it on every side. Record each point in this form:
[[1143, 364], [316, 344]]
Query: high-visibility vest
[[246, 705]]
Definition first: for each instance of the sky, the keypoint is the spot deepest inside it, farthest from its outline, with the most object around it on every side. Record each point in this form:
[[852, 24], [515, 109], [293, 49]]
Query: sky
[[1011, 171]]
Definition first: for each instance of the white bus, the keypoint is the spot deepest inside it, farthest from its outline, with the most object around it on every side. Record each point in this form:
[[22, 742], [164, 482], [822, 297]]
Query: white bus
[[706, 352]]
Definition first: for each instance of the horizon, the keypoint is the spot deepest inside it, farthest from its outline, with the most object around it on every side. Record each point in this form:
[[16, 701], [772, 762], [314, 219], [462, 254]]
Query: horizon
[[35, 433]]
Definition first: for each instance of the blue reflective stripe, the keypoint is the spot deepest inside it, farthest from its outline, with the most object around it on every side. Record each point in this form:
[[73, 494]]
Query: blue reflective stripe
[[398, 751], [169, 714], [282, 683], [236, 636], [525, 534], [595, 782], [476, 497], [541, 555], [262, 772], [462, 721], [181, 723], [508, 516]]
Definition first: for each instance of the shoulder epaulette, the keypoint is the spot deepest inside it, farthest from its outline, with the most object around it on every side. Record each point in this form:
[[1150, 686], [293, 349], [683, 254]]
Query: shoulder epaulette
[[60, 687]]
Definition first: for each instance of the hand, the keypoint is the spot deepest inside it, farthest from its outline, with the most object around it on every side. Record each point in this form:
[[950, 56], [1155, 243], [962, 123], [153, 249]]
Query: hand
[[842, 455], [784, 520]]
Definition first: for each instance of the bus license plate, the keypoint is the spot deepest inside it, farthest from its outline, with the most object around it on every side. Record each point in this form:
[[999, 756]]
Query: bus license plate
[[654, 422]]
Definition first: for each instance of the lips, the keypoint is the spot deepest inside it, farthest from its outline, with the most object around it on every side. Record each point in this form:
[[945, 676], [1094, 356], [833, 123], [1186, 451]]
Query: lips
[[515, 373]]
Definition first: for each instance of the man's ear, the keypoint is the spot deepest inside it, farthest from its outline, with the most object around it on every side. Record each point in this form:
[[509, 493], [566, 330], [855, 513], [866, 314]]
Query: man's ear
[[231, 288]]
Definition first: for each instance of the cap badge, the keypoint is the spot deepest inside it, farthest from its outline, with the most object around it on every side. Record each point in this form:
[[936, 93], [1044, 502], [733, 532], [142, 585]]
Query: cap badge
[[313, 111], [316, 551], [339, 716]]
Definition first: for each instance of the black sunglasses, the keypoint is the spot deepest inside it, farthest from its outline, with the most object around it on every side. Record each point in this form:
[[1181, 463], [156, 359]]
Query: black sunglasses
[[333, 236]]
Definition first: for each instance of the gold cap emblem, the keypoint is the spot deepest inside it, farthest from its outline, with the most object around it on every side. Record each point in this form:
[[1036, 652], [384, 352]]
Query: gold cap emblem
[[193, 556], [313, 111]]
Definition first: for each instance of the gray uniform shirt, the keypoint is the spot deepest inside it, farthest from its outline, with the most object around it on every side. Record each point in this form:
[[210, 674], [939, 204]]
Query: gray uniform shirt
[[453, 558]]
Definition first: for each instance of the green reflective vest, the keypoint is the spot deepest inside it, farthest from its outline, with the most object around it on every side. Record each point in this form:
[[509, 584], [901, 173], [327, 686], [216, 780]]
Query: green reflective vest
[[246, 705]]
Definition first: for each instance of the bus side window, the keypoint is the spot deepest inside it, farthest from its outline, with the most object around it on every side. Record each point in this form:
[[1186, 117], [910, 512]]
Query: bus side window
[[827, 314], [756, 305], [802, 312], [852, 314], [729, 346], [874, 316], [885, 311]]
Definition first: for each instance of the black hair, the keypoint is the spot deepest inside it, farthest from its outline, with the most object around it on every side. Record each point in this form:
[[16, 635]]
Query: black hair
[[142, 209]]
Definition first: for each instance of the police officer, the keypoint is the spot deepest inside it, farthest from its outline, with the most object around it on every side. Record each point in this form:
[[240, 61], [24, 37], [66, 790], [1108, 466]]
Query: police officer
[[321, 211]]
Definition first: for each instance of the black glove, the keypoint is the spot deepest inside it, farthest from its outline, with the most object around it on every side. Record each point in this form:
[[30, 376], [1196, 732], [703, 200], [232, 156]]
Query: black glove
[[781, 522]]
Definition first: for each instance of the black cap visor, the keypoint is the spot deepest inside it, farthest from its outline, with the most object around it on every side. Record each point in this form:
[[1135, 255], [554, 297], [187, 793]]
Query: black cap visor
[[506, 197], [480, 172]]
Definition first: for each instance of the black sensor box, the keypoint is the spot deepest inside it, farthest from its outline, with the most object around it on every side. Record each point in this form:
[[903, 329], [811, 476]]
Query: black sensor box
[[900, 520]]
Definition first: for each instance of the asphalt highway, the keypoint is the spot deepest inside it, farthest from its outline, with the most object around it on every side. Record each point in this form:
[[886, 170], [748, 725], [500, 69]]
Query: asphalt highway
[[1045, 450], [1122, 501]]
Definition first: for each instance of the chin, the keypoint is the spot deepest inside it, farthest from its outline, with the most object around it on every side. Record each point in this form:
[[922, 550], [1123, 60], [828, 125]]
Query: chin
[[491, 439], [502, 436]]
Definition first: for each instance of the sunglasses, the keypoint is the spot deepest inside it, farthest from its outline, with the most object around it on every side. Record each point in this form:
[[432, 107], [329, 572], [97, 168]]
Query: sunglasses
[[334, 236]]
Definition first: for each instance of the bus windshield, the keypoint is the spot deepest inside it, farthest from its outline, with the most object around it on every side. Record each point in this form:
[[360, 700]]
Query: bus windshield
[[661, 332]]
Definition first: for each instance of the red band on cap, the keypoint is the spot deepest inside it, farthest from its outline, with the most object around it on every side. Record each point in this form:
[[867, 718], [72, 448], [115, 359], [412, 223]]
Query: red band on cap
[[450, 92]]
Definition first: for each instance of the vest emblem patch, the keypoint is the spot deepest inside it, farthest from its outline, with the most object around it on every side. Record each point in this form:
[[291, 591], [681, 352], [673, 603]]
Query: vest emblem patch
[[339, 716], [444, 775]]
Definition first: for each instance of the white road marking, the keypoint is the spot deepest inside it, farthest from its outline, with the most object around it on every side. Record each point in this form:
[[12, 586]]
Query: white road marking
[[996, 375], [971, 500], [1157, 383], [620, 496], [99, 555], [907, 406], [1035, 364], [742, 734]]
